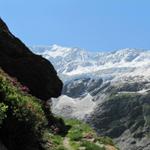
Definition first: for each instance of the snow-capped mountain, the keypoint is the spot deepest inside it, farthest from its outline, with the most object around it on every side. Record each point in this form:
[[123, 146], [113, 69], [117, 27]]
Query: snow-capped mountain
[[109, 90], [75, 61], [91, 75]]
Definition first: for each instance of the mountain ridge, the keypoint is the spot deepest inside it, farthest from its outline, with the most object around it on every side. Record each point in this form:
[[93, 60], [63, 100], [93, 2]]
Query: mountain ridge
[[76, 61]]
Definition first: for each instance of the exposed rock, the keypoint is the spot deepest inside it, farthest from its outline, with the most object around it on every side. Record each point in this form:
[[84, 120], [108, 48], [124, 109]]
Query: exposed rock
[[125, 118], [80, 87], [3, 26], [122, 109], [31, 70]]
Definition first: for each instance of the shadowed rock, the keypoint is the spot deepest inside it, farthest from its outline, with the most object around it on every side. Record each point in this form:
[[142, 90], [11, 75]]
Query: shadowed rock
[[31, 70]]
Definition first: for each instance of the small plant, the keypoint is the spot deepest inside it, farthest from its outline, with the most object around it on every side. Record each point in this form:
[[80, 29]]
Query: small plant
[[61, 148], [25, 89], [105, 141], [15, 83]]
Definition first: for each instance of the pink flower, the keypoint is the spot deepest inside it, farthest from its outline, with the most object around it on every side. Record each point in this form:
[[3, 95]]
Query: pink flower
[[25, 89]]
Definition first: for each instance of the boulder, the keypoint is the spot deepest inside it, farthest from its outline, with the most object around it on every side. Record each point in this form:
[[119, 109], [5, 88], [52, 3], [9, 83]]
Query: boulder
[[32, 71]]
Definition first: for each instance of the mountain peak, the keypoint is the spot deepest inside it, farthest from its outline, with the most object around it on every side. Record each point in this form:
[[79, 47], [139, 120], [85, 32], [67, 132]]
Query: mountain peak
[[76, 61], [130, 50]]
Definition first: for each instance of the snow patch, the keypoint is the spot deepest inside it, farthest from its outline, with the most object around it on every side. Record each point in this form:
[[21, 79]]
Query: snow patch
[[77, 108]]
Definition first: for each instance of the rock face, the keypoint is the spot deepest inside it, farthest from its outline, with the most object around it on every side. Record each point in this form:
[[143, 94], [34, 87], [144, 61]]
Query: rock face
[[80, 87], [31, 70], [124, 115]]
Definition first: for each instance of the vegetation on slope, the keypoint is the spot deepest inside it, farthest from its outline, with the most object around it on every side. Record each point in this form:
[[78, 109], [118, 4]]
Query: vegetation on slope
[[82, 136], [24, 124], [21, 116]]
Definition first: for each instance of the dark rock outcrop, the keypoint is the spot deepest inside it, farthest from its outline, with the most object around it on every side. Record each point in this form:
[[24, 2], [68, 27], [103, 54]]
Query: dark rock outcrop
[[31, 70], [79, 87]]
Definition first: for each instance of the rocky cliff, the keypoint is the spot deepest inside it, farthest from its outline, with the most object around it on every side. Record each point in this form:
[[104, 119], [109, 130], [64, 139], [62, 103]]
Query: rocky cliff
[[31, 70], [124, 116]]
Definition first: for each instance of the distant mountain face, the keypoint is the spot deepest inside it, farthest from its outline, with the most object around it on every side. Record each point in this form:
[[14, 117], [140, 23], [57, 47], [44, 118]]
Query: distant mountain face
[[109, 90], [75, 61], [93, 74]]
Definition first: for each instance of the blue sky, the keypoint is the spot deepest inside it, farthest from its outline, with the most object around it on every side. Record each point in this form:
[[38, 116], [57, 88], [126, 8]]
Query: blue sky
[[96, 25]]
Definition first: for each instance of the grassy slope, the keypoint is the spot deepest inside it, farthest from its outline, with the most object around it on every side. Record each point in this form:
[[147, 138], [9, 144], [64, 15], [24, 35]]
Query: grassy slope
[[23, 114]]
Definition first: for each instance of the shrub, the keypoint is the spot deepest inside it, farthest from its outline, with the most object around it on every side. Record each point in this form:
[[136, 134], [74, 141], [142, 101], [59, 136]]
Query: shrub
[[3, 110], [22, 119], [106, 141], [91, 146], [75, 135], [61, 148]]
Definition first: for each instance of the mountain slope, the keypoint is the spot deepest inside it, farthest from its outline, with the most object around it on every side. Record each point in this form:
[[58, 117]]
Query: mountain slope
[[109, 90], [23, 124]]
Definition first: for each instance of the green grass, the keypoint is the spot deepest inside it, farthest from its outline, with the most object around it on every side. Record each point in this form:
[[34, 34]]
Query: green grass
[[105, 140], [61, 148], [75, 135], [75, 145], [91, 146], [80, 131], [79, 125]]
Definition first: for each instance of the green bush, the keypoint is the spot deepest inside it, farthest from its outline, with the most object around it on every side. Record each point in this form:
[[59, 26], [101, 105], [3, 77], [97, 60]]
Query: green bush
[[22, 119], [61, 148], [3, 110], [106, 141], [91, 146], [76, 124], [23, 107], [75, 135]]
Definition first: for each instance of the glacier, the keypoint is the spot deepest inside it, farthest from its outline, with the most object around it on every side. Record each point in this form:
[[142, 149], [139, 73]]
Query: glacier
[[72, 62]]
